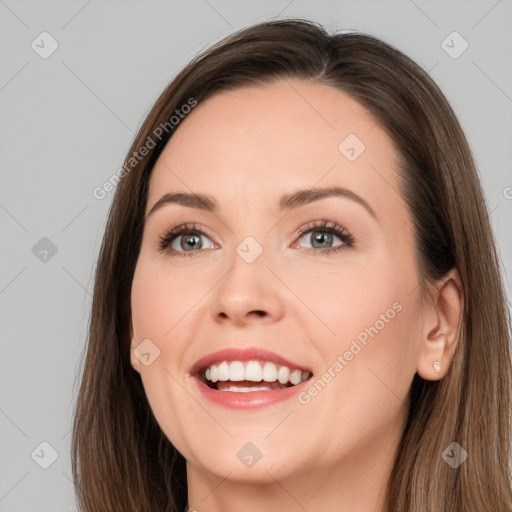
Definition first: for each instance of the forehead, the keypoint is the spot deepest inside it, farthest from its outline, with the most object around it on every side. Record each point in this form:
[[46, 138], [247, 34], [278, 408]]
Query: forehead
[[257, 143]]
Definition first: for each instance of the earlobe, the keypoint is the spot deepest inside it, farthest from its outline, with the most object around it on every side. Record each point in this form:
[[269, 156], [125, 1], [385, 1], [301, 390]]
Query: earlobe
[[134, 361], [441, 327]]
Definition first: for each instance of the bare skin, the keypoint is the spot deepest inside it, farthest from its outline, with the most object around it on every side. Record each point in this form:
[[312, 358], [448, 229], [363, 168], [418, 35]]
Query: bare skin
[[247, 148]]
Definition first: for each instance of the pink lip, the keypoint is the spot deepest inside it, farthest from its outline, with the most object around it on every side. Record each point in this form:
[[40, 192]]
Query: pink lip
[[254, 399], [244, 354]]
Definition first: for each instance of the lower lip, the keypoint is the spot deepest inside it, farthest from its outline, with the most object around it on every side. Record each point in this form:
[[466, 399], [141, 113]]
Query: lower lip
[[250, 400]]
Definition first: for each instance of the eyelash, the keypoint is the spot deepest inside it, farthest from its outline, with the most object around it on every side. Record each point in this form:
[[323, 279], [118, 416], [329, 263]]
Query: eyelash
[[348, 240]]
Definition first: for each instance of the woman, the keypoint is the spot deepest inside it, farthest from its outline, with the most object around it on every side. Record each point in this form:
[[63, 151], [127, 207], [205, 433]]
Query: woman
[[298, 302]]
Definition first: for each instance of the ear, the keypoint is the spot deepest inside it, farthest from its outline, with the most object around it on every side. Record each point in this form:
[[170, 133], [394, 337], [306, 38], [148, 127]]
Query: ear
[[442, 319], [134, 360]]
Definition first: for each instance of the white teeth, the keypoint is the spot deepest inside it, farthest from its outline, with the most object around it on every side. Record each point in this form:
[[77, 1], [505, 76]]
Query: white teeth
[[283, 375], [236, 371], [295, 377], [269, 372], [223, 371], [238, 389], [254, 371]]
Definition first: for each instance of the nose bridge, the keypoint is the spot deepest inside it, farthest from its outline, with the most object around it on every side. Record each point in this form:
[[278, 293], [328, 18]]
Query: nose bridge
[[248, 288]]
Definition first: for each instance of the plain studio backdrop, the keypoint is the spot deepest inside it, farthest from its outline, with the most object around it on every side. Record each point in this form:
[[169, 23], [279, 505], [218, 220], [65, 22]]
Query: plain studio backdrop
[[77, 79]]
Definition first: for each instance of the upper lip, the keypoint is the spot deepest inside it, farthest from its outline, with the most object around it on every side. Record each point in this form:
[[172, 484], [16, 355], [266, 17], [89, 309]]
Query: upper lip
[[244, 354]]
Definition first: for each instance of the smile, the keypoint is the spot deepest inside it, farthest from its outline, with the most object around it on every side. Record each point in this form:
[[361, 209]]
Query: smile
[[248, 378], [251, 376]]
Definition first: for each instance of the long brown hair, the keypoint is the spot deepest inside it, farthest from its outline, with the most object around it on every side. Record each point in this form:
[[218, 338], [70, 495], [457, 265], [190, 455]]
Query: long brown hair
[[121, 459]]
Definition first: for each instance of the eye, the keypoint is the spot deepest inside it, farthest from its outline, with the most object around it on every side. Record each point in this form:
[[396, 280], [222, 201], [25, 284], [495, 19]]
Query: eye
[[186, 240], [323, 235], [183, 240]]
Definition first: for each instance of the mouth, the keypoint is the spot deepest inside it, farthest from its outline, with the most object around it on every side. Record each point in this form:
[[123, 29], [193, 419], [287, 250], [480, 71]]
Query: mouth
[[238, 376], [248, 378]]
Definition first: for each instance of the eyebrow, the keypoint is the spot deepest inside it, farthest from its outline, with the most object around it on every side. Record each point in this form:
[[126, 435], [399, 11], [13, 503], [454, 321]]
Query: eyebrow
[[287, 202]]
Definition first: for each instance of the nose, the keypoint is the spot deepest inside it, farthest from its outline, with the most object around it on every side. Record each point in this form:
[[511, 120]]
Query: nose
[[248, 293]]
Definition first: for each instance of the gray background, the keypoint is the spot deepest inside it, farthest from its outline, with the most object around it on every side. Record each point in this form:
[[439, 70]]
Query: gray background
[[67, 121]]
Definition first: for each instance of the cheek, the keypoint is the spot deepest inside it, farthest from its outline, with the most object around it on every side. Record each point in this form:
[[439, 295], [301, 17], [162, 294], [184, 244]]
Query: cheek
[[368, 369], [162, 298], [362, 323], [159, 302]]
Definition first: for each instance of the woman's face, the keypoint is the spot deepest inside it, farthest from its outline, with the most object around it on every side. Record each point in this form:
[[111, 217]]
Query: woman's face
[[261, 271]]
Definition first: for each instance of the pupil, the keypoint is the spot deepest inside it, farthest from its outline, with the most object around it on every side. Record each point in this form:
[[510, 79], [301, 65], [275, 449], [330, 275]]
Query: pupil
[[321, 238], [189, 243]]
